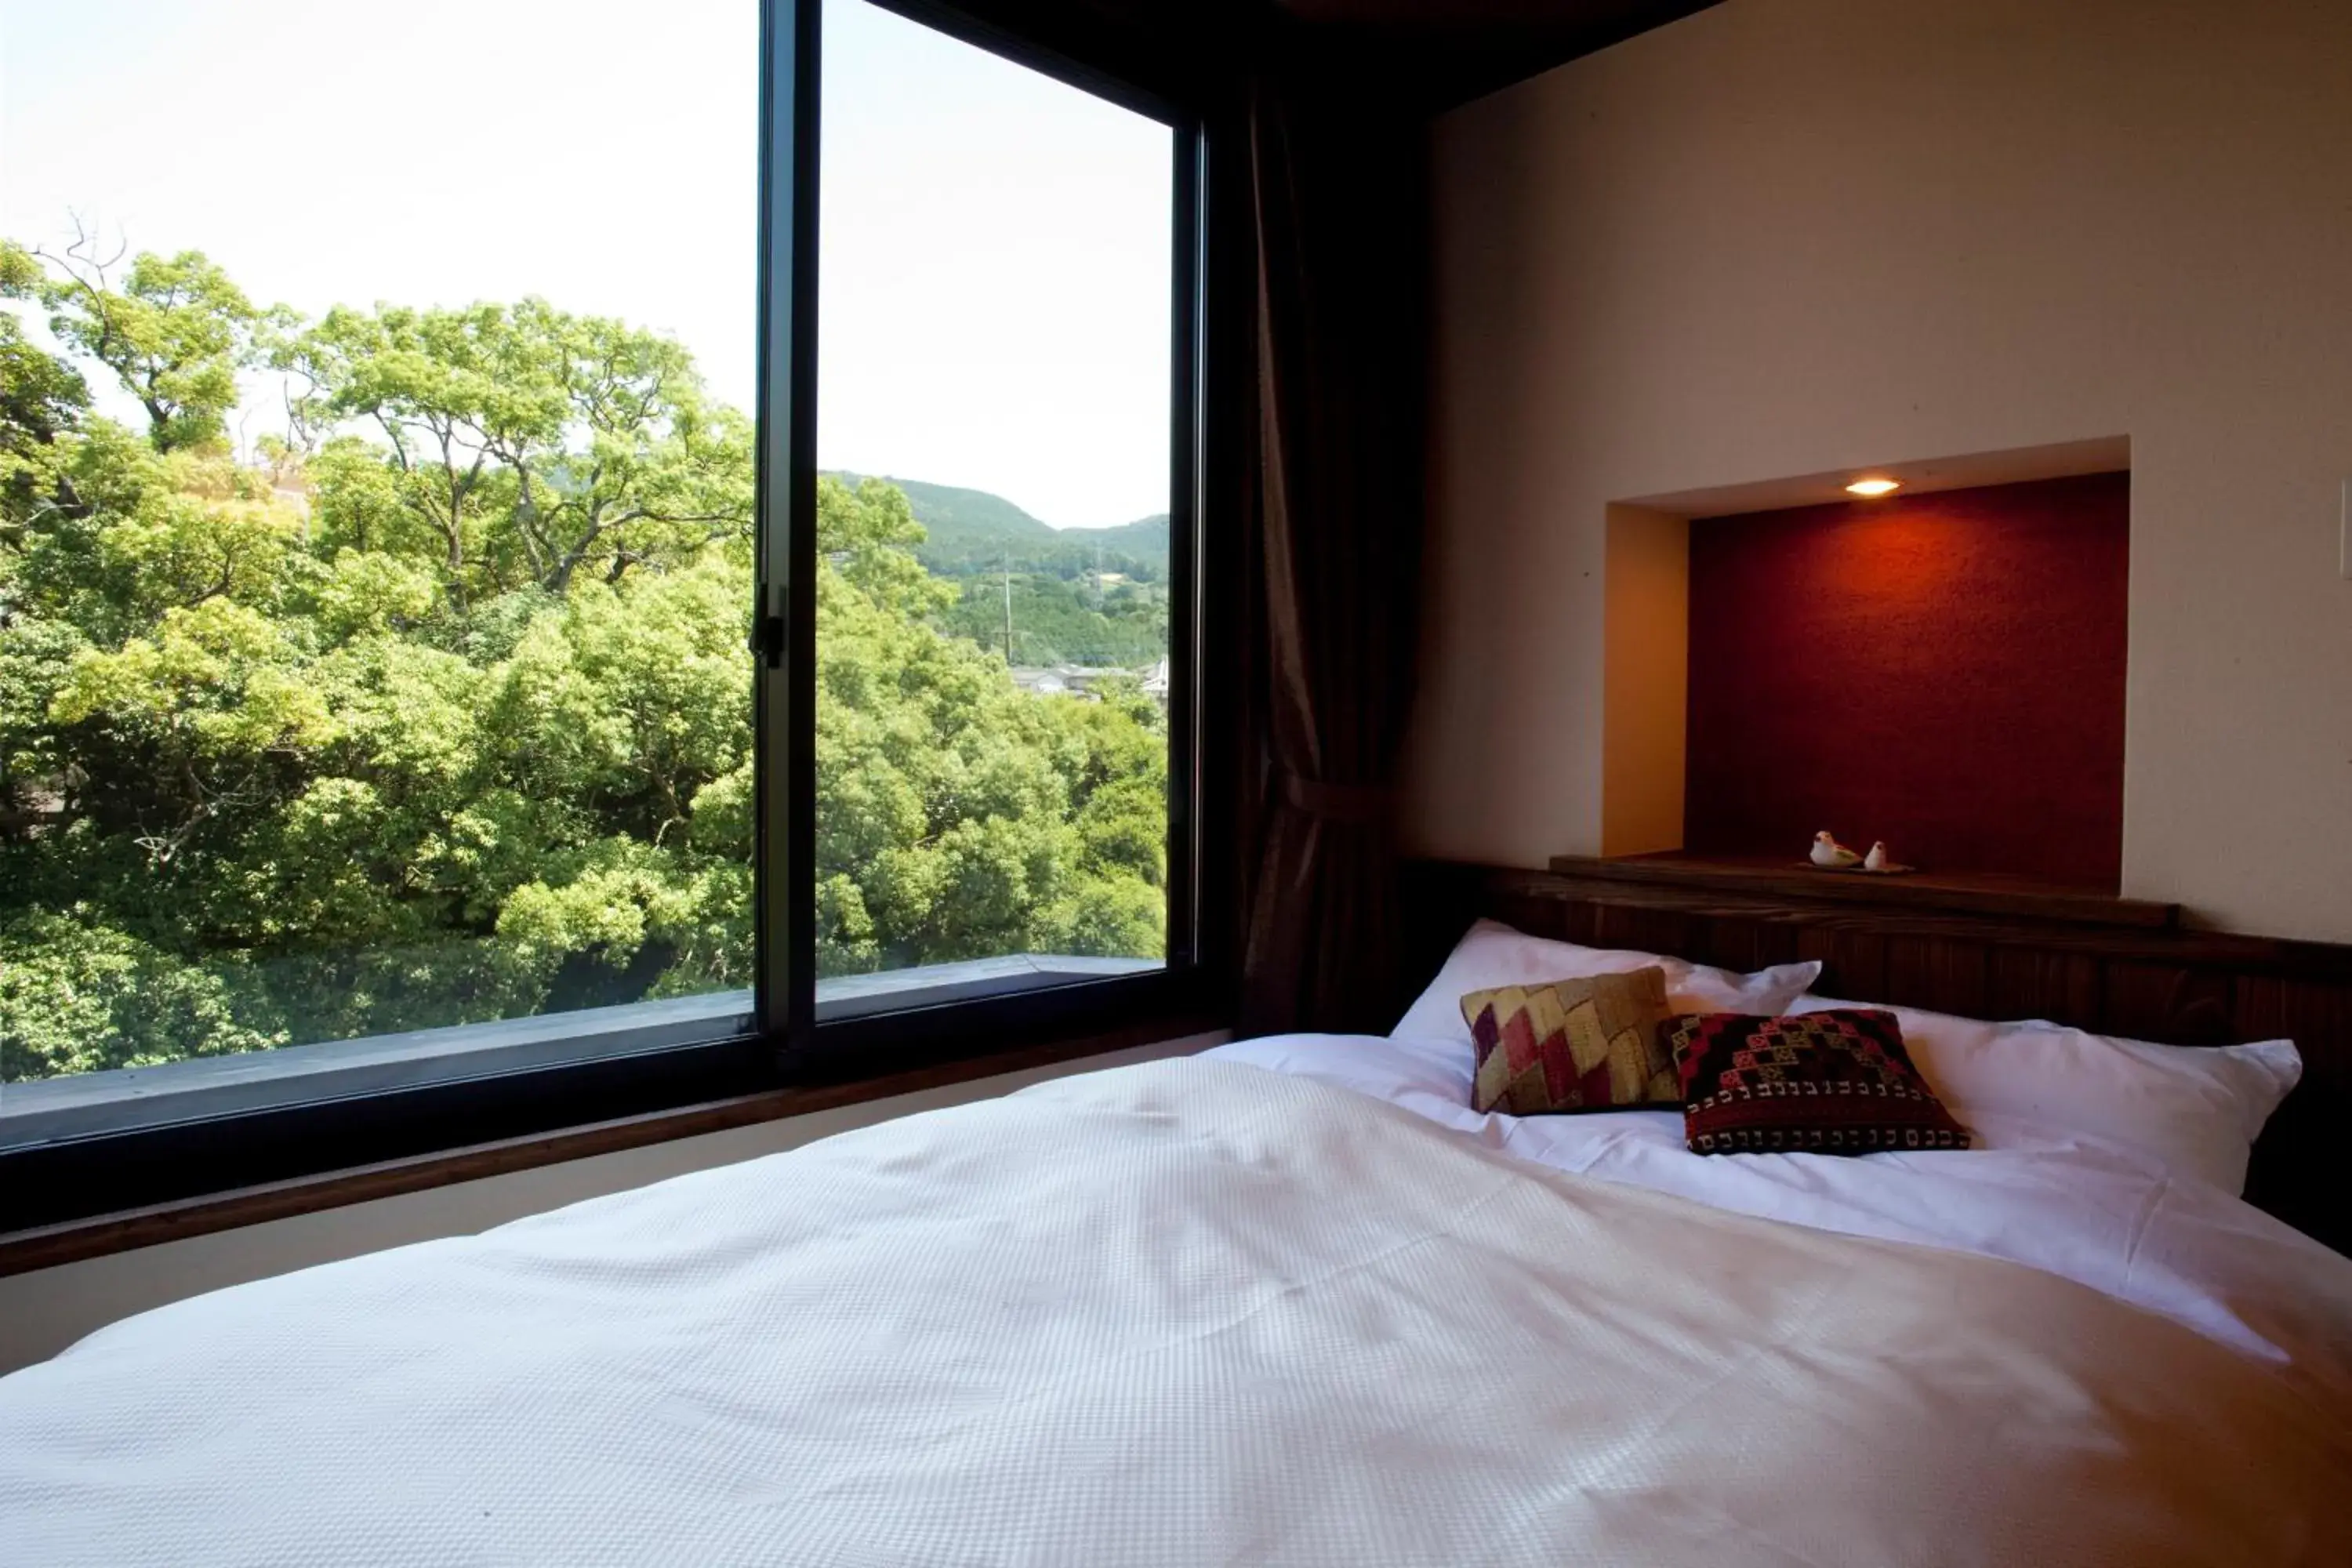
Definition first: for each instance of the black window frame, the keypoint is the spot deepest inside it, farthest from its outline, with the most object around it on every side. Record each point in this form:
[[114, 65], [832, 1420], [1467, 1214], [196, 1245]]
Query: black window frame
[[107, 1173]]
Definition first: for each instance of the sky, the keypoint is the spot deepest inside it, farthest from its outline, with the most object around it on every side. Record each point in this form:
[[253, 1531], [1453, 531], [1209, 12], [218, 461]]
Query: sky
[[994, 271]]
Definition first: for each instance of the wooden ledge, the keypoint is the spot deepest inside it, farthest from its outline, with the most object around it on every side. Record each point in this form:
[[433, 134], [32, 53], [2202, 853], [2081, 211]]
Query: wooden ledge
[[75, 1240], [2013, 897]]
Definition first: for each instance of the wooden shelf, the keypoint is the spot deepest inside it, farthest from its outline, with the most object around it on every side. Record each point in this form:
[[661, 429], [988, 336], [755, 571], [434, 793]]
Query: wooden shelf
[[2015, 896]]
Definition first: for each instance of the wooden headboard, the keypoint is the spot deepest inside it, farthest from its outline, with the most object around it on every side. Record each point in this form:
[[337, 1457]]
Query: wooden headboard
[[2106, 965]]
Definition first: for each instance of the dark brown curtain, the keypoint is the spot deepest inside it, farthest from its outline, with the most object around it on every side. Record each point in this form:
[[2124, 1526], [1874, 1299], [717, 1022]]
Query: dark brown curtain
[[1339, 213]]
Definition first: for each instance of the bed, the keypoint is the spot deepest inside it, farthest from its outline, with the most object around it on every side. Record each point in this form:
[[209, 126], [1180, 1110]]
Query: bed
[[1291, 1301]]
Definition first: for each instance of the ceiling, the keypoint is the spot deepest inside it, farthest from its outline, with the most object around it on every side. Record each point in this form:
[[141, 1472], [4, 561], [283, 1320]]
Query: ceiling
[[1423, 54], [1454, 50]]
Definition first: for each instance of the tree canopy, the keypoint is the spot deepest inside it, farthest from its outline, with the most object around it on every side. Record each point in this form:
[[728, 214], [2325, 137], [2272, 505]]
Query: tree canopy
[[435, 708]]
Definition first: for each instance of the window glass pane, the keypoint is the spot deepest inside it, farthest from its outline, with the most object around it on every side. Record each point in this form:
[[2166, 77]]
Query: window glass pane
[[993, 417], [375, 512]]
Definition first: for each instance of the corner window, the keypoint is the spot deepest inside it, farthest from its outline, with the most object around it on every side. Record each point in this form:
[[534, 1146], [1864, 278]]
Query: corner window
[[549, 616], [375, 538], [993, 597]]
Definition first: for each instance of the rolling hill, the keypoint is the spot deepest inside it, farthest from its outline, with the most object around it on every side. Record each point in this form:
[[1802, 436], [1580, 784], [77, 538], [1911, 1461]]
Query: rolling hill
[[973, 531]]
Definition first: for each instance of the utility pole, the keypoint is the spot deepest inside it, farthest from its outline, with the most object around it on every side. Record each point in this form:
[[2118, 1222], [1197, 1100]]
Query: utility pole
[[1008, 606]]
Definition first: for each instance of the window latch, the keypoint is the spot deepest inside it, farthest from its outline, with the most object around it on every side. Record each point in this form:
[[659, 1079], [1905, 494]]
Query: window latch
[[768, 640]]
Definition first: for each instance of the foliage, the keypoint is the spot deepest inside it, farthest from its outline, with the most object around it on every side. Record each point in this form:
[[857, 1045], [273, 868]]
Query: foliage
[[437, 710], [1055, 622], [173, 331]]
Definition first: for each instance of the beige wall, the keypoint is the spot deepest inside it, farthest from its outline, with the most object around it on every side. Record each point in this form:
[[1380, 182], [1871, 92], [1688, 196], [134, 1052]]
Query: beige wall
[[1786, 237], [42, 1312]]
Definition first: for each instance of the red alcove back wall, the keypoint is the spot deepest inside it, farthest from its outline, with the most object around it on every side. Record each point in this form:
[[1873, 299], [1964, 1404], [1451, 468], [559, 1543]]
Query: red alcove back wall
[[1945, 672]]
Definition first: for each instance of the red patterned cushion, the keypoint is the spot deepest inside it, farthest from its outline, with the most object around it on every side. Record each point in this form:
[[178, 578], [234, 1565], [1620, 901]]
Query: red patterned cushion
[[1838, 1082]]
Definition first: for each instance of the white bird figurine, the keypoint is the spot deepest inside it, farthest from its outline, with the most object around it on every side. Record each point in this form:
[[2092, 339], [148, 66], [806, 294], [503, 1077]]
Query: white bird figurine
[[1876, 860], [1831, 855]]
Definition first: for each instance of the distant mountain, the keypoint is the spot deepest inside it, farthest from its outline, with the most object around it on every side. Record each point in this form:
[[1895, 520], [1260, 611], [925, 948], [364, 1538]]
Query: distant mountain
[[1146, 536], [956, 516], [973, 531]]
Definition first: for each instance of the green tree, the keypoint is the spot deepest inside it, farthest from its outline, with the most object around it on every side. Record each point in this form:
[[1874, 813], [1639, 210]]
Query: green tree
[[1058, 622], [959, 816], [174, 330], [528, 445], [439, 711]]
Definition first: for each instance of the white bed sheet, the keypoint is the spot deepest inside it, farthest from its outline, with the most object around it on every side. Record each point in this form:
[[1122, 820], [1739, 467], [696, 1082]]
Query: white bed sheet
[[2097, 1212], [1165, 1316]]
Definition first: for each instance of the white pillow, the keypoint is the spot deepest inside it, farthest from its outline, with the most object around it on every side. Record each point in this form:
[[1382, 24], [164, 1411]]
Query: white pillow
[[2195, 1108], [1492, 954]]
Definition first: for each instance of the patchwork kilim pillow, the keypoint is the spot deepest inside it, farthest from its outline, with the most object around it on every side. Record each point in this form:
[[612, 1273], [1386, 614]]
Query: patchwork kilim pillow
[[1838, 1082], [1588, 1044]]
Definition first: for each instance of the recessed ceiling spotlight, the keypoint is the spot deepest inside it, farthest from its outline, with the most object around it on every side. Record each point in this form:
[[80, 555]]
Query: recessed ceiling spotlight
[[1873, 489]]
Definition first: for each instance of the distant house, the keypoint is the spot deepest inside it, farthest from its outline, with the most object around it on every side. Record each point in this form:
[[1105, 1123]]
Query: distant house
[[1080, 679]]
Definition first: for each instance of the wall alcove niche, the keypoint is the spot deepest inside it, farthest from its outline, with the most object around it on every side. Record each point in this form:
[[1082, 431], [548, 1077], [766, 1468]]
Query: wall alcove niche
[[1942, 668]]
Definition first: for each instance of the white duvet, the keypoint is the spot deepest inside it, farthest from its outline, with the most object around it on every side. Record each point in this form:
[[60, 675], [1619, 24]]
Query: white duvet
[[1195, 1313], [2091, 1210]]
